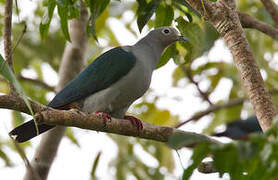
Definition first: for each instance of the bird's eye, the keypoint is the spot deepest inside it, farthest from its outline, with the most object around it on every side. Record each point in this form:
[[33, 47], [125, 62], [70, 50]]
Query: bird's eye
[[166, 31]]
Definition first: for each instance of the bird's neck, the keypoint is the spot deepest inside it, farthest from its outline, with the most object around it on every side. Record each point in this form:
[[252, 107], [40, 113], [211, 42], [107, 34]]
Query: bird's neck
[[152, 47]]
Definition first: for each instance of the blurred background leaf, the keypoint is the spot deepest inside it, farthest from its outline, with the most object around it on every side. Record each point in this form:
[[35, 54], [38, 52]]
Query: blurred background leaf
[[42, 46]]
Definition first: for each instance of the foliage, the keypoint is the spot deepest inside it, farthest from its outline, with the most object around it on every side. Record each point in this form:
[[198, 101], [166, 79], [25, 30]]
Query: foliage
[[96, 8], [43, 44], [256, 158], [128, 160], [9, 75]]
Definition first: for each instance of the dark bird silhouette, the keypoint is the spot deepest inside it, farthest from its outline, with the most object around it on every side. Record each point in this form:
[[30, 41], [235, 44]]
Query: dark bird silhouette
[[241, 129]]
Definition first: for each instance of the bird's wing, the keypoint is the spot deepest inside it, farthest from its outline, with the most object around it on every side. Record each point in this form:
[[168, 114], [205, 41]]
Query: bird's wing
[[102, 73]]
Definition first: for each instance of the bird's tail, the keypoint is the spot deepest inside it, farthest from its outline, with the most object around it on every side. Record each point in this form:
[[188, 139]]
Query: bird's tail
[[220, 134], [28, 130]]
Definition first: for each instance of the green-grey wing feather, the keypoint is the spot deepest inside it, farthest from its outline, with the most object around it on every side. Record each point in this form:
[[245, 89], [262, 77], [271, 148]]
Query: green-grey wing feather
[[102, 73]]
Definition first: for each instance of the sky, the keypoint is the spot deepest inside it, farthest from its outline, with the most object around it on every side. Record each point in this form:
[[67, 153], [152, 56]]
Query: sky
[[73, 162]]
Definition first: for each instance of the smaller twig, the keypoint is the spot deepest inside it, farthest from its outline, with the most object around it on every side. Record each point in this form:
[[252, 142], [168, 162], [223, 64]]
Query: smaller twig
[[204, 95], [8, 32], [248, 21], [180, 159], [37, 82], [8, 39], [20, 38], [273, 91], [207, 167], [213, 108], [272, 10]]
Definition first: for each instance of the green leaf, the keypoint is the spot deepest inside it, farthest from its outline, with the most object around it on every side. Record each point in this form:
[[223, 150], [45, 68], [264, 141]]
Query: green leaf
[[16, 8], [153, 115], [5, 158], [73, 7], [96, 9], [74, 10], [226, 159], [178, 74], [184, 3], [197, 33], [63, 2], [47, 17], [200, 152], [166, 56], [97, 6], [95, 164], [72, 138], [182, 139], [63, 13], [9, 75], [222, 117], [37, 66], [17, 118], [145, 11], [4, 87], [163, 16]]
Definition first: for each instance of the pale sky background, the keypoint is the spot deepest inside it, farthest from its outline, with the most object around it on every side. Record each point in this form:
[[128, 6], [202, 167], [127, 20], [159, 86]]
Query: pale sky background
[[73, 162]]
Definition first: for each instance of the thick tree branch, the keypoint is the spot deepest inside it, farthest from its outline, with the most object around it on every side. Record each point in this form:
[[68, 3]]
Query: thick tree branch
[[226, 21], [272, 10], [248, 21], [16, 103], [79, 119]]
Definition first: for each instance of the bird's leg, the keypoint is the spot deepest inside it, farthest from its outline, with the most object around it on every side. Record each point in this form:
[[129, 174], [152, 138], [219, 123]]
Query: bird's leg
[[105, 116], [135, 121]]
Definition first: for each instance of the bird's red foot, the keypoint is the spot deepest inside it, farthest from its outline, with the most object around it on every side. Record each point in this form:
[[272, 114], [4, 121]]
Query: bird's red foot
[[135, 121], [105, 116]]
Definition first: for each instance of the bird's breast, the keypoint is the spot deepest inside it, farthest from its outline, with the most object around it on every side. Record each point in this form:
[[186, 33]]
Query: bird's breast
[[122, 93]]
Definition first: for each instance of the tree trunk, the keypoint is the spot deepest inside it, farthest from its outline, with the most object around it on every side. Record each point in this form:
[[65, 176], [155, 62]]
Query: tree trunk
[[72, 63], [223, 16]]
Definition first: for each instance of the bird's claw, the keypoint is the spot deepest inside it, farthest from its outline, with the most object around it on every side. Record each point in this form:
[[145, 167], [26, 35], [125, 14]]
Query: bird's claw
[[105, 116], [135, 121]]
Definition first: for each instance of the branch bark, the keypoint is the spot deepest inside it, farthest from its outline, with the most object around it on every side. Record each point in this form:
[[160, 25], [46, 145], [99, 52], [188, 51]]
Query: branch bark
[[79, 119], [207, 167], [248, 21], [226, 21], [8, 38], [8, 32], [72, 63]]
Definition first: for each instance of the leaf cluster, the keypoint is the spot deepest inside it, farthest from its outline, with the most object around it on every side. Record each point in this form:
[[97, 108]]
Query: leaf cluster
[[256, 158]]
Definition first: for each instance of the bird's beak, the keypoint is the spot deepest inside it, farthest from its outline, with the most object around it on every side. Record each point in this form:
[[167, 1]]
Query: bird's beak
[[182, 38]]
